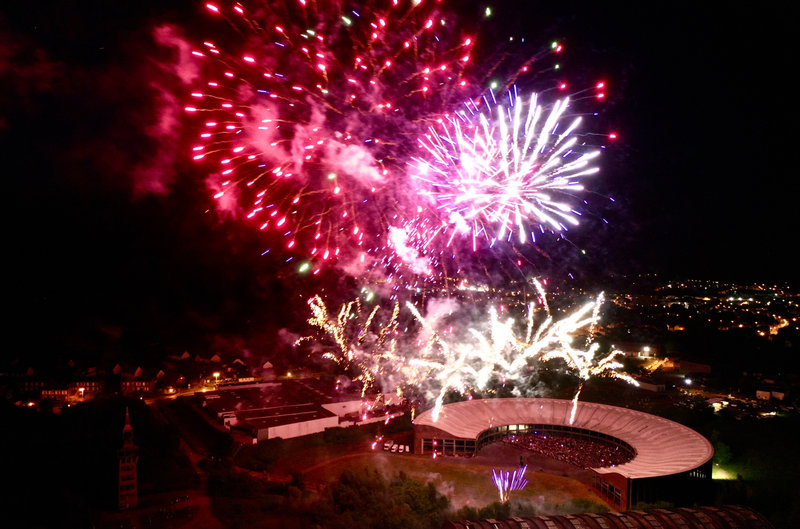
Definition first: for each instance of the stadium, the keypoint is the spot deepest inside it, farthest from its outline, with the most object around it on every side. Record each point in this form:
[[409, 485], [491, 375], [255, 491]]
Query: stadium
[[666, 460]]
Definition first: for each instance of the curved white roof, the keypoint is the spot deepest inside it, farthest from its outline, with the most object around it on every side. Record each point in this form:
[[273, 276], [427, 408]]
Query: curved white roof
[[663, 447]]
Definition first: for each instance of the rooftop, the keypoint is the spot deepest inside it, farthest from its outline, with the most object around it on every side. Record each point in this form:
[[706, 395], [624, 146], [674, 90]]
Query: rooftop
[[280, 415]]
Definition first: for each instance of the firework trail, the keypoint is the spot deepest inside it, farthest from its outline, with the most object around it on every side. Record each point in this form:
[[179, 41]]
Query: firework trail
[[354, 136], [446, 351], [507, 482], [462, 362], [585, 364], [361, 345]]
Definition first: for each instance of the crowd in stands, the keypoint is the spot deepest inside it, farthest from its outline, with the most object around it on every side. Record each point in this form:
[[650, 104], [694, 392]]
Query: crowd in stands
[[579, 451]]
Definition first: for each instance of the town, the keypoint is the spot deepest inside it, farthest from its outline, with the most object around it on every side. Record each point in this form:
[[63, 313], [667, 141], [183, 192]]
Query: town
[[288, 428]]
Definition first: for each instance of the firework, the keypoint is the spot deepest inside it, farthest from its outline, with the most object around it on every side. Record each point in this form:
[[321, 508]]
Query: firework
[[342, 132], [363, 135], [446, 351], [494, 171], [470, 361], [507, 482], [303, 127], [585, 364], [361, 345]]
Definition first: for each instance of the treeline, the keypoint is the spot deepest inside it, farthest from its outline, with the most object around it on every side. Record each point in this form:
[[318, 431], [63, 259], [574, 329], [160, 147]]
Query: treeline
[[360, 498], [367, 499]]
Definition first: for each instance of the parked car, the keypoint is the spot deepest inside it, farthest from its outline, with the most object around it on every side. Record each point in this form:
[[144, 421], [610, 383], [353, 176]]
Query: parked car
[[387, 445], [394, 448]]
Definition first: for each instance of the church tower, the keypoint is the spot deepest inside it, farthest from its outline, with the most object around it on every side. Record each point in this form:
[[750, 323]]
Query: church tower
[[128, 456]]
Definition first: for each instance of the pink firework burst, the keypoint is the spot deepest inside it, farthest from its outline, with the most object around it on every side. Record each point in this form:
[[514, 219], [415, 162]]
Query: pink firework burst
[[330, 125], [303, 129]]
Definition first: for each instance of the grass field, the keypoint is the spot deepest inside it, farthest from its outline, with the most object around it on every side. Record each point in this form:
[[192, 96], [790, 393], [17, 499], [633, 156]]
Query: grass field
[[464, 482]]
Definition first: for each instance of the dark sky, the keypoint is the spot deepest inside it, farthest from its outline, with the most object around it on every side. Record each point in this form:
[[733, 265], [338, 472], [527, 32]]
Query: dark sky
[[109, 231], [706, 174]]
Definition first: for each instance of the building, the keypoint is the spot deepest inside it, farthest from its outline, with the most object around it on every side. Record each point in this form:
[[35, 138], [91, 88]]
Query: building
[[288, 408], [86, 388], [128, 457], [763, 394], [286, 421], [638, 350], [651, 385], [669, 461], [131, 385]]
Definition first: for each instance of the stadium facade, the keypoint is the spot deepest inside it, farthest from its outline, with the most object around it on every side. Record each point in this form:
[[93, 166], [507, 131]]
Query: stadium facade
[[668, 460]]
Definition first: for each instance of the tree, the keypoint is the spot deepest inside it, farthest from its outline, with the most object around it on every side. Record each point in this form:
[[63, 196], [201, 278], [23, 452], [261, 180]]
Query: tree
[[722, 453], [366, 499]]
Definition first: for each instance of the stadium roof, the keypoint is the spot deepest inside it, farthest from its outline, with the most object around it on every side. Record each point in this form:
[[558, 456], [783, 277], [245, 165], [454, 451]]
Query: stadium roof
[[724, 517], [663, 447]]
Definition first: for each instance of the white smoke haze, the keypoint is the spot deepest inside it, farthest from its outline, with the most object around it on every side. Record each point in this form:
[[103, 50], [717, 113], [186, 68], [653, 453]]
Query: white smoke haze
[[154, 175], [288, 337], [261, 128], [355, 161], [184, 65], [436, 311], [154, 172], [226, 197], [305, 136], [398, 239], [360, 264], [456, 350]]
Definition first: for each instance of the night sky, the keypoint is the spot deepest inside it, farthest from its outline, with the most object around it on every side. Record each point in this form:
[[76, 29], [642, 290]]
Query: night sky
[[110, 232]]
